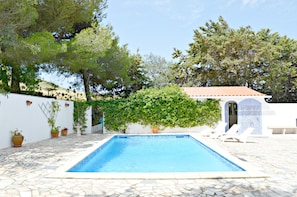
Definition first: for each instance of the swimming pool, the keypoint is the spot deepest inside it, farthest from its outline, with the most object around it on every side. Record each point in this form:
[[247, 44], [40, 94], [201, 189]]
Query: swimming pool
[[248, 172], [154, 153]]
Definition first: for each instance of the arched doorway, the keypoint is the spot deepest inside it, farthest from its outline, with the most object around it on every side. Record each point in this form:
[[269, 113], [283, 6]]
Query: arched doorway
[[231, 113]]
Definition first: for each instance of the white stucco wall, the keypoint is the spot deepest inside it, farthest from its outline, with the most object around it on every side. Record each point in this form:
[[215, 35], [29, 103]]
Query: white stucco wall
[[237, 100], [273, 114], [89, 121], [15, 114], [280, 114]]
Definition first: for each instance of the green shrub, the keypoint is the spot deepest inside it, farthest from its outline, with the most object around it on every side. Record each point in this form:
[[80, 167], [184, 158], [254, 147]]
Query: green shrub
[[115, 113], [168, 107]]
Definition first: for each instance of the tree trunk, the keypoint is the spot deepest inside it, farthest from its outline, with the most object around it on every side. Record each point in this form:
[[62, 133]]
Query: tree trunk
[[86, 84], [15, 79]]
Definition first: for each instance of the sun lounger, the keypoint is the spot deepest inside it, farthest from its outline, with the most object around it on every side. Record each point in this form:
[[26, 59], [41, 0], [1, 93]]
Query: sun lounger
[[233, 130], [239, 137], [220, 128]]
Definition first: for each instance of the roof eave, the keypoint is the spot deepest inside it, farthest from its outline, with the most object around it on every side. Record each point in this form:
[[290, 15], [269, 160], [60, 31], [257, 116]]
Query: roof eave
[[220, 97]]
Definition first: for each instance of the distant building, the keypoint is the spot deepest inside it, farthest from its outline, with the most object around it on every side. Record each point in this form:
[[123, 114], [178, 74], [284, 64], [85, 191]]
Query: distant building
[[239, 104]]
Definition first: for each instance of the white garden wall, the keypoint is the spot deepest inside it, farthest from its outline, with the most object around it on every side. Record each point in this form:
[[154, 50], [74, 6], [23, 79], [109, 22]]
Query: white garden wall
[[273, 114], [89, 121], [279, 114], [16, 114]]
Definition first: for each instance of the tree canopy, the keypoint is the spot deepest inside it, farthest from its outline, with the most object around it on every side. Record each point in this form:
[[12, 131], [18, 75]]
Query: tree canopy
[[67, 17], [220, 55], [65, 36], [157, 70], [23, 21]]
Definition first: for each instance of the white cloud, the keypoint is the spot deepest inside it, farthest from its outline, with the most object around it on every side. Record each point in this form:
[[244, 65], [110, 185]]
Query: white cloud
[[252, 2]]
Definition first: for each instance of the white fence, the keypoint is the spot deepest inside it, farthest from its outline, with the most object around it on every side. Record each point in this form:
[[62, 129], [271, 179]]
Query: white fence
[[15, 113]]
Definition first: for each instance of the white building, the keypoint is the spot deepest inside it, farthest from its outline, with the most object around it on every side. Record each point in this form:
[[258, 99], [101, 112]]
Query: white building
[[248, 108]]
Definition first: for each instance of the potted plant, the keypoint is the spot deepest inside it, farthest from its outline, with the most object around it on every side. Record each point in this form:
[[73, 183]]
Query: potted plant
[[17, 138], [155, 128], [55, 108], [55, 131], [154, 120], [64, 131]]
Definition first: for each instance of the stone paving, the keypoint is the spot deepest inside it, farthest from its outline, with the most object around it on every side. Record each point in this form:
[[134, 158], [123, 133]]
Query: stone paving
[[24, 171]]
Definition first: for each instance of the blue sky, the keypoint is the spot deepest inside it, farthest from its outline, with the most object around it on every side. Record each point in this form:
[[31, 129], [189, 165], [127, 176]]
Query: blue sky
[[158, 26]]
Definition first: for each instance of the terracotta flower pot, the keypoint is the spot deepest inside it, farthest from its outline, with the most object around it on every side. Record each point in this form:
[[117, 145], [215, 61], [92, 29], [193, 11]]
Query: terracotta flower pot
[[28, 102], [64, 132], [55, 134], [17, 140], [155, 130]]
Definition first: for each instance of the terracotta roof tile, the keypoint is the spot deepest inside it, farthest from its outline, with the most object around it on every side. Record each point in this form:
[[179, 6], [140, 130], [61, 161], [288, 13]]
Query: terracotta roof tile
[[219, 91]]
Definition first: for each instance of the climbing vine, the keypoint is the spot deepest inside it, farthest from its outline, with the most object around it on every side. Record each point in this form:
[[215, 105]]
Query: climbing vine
[[79, 115], [168, 107]]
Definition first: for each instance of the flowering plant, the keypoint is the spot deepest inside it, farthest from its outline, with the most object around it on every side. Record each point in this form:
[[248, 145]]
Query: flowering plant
[[55, 129], [16, 132]]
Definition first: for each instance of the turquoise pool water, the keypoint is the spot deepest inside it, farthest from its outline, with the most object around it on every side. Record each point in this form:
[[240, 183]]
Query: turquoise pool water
[[154, 153]]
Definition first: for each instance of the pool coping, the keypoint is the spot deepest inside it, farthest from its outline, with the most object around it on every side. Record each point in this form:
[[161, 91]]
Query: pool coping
[[250, 171]]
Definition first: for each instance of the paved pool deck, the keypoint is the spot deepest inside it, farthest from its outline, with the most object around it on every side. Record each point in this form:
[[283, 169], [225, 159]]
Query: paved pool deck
[[25, 171]]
